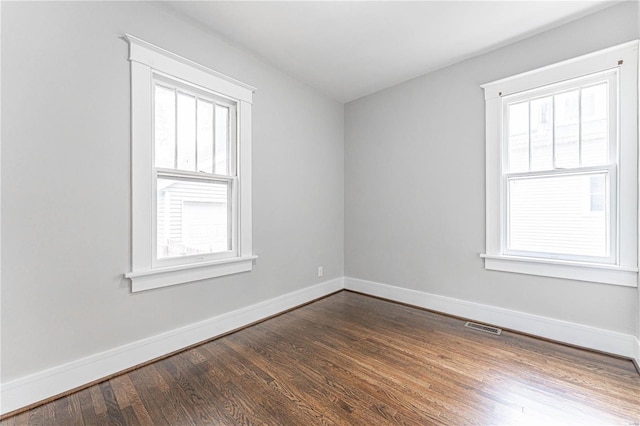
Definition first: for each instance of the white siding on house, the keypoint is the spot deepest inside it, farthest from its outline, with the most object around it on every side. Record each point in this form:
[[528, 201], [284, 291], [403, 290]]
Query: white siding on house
[[192, 218], [555, 215]]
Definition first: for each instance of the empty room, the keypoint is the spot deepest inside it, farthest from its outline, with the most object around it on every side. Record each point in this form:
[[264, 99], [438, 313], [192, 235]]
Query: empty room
[[319, 212]]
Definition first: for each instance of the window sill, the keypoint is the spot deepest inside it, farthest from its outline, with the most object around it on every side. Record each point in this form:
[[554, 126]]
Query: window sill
[[163, 277], [592, 272]]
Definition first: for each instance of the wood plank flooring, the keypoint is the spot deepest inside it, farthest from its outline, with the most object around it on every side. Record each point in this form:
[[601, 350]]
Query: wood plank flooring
[[351, 359]]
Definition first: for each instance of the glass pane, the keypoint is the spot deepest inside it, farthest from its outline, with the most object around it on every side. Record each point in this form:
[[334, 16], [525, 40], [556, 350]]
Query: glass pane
[[542, 134], [205, 136], [186, 132], [559, 214], [165, 127], [222, 140], [567, 131], [595, 126], [193, 217], [598, 193], [518, 145]]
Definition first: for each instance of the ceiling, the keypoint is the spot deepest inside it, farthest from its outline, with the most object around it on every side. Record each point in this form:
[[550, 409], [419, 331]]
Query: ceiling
[[350, 49]]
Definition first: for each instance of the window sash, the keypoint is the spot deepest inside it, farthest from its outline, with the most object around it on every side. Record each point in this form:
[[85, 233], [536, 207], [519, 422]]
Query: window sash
[[609, 76], [179, 86], [611, 214], [232, 219]]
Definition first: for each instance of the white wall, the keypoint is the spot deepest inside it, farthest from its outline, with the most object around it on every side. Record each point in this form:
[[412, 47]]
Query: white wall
[[66, 183], [414, 183]]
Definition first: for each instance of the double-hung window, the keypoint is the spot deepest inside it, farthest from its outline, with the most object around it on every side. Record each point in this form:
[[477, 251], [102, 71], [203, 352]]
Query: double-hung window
[[194, 141], [191, 159], [562, 169]]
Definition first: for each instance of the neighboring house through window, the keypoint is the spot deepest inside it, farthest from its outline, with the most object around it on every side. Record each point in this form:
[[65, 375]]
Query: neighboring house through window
[[562, 169], [191, 170]]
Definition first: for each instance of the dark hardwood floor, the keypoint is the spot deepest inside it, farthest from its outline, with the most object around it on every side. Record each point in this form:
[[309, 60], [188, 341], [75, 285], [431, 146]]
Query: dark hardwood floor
[[353, 359]]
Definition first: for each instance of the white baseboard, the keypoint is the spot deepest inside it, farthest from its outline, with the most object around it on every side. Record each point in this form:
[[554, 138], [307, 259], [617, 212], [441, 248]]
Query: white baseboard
[[54, 381], [612, 342]]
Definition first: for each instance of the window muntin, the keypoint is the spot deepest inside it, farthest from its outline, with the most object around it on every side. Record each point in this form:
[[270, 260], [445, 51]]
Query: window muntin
[[557, 140], [194, 142]]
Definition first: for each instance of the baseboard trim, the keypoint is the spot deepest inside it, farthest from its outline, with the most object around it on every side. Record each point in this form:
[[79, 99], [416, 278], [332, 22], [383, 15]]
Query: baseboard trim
[[584, 336], [636, 359], [45, 385], [37, 387]]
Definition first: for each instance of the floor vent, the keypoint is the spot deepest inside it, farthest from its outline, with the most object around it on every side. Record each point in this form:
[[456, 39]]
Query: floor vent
[[485, 328]]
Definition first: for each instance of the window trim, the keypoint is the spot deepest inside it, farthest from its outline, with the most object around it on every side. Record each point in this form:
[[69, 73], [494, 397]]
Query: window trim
[[148, 61], [625, 270]]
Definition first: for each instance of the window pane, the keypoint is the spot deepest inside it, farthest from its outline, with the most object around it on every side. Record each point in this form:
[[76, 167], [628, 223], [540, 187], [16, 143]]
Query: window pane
[[222, 140], [186, 132], [542, 134], [557, 214], [165, 127], [595, 126], [518, 145], [193, 217], [205, 136], [598, 193], [567, 131]]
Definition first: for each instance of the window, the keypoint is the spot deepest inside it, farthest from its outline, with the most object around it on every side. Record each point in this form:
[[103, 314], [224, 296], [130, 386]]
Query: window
[[562, 169], [194, 141], [191, 170], [559, 140]]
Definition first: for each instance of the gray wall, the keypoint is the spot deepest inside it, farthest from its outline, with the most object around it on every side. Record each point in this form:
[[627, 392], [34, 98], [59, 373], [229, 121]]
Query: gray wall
[[638, 306], [414, 183], [66, 183]]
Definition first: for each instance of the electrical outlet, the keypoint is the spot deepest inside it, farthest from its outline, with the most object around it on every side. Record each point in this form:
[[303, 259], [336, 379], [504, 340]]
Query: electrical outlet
[[320, 271]]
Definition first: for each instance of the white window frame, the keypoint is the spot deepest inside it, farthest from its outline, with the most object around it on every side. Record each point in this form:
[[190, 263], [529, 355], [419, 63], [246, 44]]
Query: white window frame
[[622, 267], [149, 64]]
